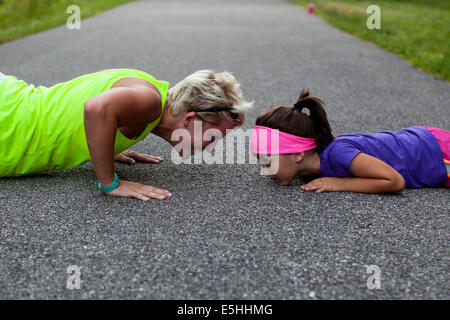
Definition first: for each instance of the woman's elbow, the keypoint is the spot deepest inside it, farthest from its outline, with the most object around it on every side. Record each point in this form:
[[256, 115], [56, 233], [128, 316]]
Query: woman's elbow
[[95, 112], [91, 109]]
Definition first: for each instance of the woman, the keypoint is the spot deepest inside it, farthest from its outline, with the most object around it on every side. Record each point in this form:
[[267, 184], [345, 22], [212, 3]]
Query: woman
[[98, 116]]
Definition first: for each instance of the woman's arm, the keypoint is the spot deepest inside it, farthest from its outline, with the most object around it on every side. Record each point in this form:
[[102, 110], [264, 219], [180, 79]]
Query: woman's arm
[[103, 114], [372, 176]]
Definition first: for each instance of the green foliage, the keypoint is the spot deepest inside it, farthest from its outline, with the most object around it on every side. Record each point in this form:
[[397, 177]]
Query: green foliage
[[19, 18], [417, 30]]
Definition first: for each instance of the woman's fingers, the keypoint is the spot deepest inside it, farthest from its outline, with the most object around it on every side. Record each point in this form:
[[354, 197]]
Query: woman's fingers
[[155, 195], [128, 160], [145, 157], [145, 194], [139, 196], [123, 158], [151, 192], [139, 191], [130, 157], [155, 191]]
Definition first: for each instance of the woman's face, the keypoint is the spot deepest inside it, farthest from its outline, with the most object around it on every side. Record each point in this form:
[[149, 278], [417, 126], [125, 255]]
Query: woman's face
[[212, 133], [204, 135], [280, 168]]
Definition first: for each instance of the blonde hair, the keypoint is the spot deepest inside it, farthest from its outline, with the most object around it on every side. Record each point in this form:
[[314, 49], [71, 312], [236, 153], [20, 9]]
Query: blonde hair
[[204, 89]]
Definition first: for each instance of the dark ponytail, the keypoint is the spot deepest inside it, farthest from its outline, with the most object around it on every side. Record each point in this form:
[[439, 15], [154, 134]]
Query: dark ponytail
[[294, 121]]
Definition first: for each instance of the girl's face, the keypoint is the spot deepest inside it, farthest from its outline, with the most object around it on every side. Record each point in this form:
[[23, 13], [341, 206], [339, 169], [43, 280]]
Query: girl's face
[[280, 168]]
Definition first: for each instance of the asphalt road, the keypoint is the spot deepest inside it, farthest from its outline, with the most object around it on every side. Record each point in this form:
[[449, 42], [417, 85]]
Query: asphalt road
[[228, 232]]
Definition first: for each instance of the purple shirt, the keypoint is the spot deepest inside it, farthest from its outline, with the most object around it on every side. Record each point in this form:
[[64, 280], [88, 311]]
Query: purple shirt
[[414, 152]]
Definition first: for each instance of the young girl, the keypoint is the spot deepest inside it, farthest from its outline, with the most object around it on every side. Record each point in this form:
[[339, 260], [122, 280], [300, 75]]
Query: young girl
[[98, 116], [386, 161]]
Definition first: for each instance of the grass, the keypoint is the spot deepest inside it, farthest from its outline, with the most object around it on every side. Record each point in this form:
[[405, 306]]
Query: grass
[[417, 30], [19, 18]]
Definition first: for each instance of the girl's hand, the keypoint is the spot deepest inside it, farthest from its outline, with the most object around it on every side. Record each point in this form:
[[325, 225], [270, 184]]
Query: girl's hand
[[371, 176], [324, 184], [139, 191], [129, 156]]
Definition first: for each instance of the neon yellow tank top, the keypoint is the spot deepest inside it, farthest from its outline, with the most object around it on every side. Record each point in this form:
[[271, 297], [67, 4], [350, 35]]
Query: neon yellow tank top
[[42, 128]]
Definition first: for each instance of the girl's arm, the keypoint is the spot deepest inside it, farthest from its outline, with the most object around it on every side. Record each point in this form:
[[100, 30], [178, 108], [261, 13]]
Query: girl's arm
[[372, 176]]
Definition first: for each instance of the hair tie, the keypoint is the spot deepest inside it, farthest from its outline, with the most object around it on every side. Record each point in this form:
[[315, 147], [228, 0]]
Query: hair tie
[[300, 108]]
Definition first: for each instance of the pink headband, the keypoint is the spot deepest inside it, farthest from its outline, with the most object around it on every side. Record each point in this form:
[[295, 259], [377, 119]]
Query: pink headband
[[272, 141]]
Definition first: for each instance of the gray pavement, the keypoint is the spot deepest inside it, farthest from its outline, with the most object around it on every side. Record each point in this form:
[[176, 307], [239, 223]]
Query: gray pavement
[[228, 232]]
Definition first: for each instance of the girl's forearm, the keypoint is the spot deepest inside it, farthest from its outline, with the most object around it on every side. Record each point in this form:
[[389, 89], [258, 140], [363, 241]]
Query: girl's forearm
[[367, 185], [100, 128]]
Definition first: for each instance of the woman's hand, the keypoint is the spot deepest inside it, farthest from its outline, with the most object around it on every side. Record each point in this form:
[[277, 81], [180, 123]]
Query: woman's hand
[[324, 184], [129, 156], [139, 191]]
